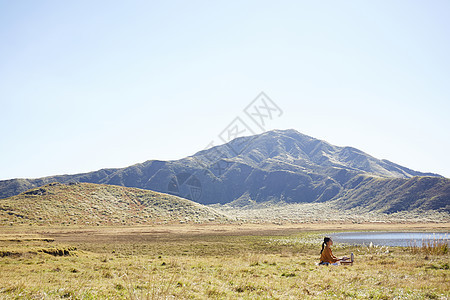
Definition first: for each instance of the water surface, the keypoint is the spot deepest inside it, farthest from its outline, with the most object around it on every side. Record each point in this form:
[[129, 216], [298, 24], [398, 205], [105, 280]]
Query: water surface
[[402, 239]]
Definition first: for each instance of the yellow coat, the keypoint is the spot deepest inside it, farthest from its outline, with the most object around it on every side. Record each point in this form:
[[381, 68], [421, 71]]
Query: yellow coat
[[327, 256]]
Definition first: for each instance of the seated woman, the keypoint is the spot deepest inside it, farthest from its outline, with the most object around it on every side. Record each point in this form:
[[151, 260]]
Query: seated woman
[[327, 257]]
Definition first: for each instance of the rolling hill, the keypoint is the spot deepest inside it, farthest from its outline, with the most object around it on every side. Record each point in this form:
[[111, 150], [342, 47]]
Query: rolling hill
[[279, 165], [94, 204]]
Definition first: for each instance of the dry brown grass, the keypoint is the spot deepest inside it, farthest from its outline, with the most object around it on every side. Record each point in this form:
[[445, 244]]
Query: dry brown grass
[[331, 211], [88, 204], [213, 261], [434, 246]]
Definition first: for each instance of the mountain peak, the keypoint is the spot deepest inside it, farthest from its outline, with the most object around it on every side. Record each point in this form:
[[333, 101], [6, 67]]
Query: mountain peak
[[278, 165], [294, 147]]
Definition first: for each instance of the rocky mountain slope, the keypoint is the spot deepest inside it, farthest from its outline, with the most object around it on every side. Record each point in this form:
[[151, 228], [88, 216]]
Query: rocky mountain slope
[[391, 195], [279, 165], [94, 204]]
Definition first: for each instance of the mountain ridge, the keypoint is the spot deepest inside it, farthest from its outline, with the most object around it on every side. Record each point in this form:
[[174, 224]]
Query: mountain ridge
[[278, 165]]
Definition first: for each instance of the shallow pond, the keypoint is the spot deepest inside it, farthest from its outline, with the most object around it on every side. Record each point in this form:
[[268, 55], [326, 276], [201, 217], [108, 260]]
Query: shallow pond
[[403, 239]]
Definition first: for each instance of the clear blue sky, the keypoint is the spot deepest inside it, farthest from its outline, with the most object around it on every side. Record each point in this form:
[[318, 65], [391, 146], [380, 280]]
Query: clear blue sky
[[86, 85]]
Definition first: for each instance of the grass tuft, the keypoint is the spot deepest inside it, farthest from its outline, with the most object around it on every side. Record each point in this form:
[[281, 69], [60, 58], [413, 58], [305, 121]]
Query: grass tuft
[[434, 247]]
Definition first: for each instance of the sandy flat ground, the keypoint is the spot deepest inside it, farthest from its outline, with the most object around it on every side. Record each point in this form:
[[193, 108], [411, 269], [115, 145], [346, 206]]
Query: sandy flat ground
[[136, 233]]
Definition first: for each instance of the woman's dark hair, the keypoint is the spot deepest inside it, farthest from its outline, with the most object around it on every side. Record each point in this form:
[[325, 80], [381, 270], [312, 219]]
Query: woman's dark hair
[[325, 241]]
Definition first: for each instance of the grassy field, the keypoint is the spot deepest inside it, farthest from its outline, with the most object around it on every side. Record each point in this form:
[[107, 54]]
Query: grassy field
[[213, 261]]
